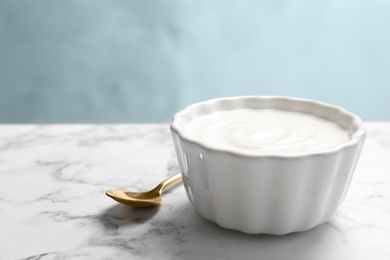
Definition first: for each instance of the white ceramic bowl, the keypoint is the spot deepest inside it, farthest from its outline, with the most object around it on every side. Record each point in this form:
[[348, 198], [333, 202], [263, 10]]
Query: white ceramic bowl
[[266, 193]]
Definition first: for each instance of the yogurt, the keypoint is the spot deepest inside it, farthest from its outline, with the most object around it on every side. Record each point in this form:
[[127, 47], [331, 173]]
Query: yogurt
[[267, 132]]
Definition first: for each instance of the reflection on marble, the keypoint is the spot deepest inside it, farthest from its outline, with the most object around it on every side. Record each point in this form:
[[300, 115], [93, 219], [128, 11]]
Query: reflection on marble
[[52, 202]]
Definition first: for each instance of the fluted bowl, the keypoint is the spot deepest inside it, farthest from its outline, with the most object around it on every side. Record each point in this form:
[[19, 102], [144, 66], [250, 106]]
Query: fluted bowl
[[273, 194]]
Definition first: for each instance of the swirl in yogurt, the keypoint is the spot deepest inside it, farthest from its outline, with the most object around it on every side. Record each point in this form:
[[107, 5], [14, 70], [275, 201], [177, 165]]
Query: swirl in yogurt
[[267, 132]]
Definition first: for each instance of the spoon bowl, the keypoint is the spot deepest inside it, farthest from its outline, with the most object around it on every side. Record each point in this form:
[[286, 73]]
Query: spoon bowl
[[144, 199]]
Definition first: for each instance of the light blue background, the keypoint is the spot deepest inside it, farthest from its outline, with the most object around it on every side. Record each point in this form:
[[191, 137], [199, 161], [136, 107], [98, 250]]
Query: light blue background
[[141, 61]]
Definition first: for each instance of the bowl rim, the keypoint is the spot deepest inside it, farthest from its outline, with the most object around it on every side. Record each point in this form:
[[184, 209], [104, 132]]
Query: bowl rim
[[358, 136]]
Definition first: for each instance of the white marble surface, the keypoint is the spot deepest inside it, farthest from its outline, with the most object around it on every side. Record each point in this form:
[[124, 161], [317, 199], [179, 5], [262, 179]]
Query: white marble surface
[[52, 202]]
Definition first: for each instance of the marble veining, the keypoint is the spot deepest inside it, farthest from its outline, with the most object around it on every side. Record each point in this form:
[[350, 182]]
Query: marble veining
[[52, 202]]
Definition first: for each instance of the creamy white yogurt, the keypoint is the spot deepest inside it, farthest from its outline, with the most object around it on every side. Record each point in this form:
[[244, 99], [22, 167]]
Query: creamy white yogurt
[[267, 132]]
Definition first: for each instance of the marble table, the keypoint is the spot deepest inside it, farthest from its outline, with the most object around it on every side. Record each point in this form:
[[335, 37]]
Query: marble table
[[52, 202]]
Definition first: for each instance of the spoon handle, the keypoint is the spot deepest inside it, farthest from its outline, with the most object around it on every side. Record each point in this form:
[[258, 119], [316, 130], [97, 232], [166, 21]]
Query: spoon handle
[[169, 182]]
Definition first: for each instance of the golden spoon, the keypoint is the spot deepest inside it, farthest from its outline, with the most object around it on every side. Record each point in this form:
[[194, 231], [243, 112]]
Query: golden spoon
[[144, 199]]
